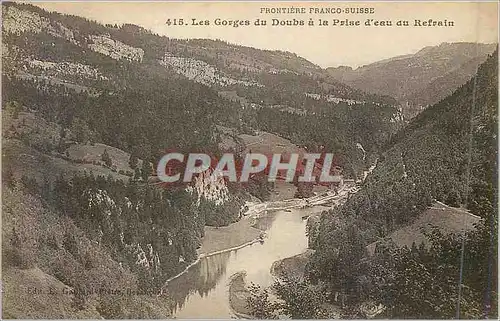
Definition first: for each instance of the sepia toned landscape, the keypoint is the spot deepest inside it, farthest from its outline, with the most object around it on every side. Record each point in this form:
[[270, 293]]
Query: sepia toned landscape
[[407, 227]]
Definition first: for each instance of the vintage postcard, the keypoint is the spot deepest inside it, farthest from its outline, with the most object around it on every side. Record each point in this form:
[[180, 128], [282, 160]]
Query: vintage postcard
[[253, 160]]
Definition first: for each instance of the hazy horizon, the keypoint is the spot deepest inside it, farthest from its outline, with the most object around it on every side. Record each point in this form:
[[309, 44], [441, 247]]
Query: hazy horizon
[[348, 44]]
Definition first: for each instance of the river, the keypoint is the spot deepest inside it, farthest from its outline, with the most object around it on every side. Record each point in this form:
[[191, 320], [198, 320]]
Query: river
[[202, 292]]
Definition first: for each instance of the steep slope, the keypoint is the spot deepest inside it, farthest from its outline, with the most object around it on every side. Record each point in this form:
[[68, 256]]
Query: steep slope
[[81, 122], [445, 85], [429, 158], [109, 78], [52, 269], [88, 110], [421, 79], [447, 153]]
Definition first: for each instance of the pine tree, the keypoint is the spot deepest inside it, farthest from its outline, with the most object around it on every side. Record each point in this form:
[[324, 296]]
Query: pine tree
[[137, 173], [8, 178], [133, 160], [106, 158], [16, 244], [15, 107], [146, 170]]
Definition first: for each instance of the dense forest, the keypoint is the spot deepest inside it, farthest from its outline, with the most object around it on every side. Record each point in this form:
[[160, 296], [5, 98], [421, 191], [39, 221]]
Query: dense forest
[[90, 230], [161, 227], [337, 129], [448, 153], [118, 223]]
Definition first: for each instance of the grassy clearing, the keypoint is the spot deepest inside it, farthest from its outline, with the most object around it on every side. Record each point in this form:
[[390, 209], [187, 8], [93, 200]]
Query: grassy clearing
[[226, 237], [267, 143], [238, 294], [447, 219]]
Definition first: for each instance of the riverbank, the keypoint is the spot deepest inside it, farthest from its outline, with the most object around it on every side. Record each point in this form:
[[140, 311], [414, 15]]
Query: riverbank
[[294, 267], [238, 292], [248, 230], [229, 237], [238, 296]]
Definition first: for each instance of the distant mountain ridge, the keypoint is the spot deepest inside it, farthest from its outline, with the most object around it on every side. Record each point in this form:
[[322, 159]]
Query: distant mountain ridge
[[421, 79], [197, 59]]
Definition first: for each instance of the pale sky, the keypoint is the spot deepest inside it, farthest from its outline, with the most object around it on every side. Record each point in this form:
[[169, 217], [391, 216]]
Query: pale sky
[[323, 45]]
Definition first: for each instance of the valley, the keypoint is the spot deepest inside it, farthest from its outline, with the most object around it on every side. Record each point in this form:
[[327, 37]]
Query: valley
[[89, 230], [418, 77]]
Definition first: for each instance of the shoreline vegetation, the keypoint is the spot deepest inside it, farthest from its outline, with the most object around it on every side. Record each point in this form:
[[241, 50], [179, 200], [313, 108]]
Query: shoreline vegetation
[[245, 232], [238, 296], [239, 293], [294, 266]]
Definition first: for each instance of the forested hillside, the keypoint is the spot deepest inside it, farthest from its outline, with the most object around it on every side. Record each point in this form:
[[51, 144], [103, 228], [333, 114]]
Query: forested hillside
[[448, 153], [88, 110], [359, 268], [82, 130], [122, 80], [421, 79]]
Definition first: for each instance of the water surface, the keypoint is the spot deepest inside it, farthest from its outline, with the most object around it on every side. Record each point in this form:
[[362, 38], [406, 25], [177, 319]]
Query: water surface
[[202, 292]]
